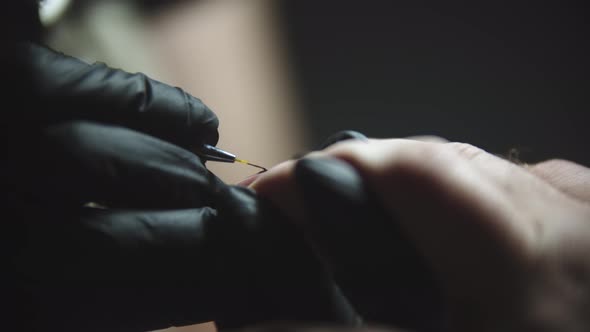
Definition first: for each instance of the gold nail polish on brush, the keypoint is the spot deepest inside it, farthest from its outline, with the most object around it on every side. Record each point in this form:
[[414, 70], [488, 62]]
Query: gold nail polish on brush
[[212, 153]]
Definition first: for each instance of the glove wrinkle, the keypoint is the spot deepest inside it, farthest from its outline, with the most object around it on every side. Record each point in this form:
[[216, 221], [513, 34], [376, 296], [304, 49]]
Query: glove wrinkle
[[86, 161]]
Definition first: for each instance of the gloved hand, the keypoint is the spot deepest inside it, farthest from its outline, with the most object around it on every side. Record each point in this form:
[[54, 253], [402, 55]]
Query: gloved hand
[[175, 246], [377, 268]]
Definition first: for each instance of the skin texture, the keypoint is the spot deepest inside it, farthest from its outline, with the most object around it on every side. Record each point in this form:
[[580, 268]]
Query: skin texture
[[509, 244]]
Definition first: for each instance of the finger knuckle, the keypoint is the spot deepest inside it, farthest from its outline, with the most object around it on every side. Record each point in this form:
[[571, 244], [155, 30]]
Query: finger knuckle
[[429, 138], [466, 150]]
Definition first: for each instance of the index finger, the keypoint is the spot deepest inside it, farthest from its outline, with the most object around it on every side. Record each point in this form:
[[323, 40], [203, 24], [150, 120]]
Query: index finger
[[62, 88]]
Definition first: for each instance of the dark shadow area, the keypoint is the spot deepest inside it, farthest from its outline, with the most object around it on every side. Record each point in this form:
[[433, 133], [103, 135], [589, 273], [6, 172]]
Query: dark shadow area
[[499, 75]]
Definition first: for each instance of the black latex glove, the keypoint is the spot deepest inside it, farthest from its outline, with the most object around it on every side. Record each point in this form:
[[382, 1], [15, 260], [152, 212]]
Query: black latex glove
[[176, 245], [377, 268]]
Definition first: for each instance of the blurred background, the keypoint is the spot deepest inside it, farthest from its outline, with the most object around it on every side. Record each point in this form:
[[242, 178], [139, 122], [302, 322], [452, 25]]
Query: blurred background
[[497, 74], [284, 75]]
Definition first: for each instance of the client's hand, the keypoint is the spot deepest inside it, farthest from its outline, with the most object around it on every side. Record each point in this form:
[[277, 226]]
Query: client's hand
[[508, 244]]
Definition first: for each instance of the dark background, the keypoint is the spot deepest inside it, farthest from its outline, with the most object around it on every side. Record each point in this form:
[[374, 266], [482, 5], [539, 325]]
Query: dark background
[[499, 75]]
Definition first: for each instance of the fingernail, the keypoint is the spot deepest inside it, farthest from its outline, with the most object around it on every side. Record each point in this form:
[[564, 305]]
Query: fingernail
[[247, 181], [333, 192], [327, 176], [342, 136]]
